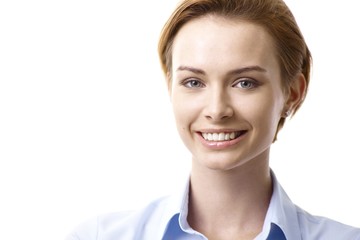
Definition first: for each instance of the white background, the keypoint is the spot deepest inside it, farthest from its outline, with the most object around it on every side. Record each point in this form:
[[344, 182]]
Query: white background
[[86, 125]]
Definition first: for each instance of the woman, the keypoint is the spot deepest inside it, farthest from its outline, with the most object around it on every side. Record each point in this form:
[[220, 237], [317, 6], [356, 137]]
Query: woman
[[236, 69]]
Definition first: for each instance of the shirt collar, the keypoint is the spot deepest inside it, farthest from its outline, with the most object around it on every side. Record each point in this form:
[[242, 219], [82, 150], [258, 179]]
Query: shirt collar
[[177, 204], [281, 212]]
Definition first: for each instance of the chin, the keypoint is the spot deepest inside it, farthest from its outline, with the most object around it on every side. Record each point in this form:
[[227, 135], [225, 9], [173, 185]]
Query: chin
[[219, 162]]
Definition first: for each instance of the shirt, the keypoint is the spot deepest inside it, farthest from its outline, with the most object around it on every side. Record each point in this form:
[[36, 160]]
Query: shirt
[[165, 219]]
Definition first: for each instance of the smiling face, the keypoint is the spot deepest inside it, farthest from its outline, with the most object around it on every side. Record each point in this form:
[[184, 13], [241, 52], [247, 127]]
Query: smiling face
[[226, 91]]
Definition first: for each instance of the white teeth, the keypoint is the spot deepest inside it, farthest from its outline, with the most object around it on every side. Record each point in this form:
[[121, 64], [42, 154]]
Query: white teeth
[[219, 136]]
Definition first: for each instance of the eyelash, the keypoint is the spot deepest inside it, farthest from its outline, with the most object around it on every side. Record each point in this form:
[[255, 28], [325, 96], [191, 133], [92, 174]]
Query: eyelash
[[253, 83], [188, 82]]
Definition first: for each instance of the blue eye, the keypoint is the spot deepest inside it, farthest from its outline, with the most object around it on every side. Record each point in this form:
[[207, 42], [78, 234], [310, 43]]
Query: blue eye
[[193, 84], [246, 84]]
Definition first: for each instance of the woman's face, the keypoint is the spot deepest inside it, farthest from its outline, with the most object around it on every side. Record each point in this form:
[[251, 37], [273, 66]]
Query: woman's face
[[226, 91]]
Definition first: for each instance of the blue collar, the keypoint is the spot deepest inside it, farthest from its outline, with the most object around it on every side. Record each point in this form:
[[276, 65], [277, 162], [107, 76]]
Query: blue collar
[[276, 233]]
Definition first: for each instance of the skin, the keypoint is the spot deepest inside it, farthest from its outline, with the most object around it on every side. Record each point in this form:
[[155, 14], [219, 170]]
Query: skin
[[226, 78]]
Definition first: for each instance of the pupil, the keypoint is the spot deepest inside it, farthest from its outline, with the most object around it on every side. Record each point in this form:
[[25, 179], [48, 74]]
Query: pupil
[[245, 84]]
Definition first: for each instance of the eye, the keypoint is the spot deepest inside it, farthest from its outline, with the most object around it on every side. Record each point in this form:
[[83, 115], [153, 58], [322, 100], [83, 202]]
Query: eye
[[193, 83], [246, 84]]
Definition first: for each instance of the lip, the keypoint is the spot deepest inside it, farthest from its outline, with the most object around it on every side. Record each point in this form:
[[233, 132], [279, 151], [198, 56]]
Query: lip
[[220, 145]]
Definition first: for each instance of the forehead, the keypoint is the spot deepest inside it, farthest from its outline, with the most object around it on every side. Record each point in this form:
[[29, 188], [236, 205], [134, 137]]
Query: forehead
[[220, 41]]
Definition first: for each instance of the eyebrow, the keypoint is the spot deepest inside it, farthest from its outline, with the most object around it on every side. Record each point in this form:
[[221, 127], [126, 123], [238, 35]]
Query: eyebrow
[[191, 69], [232, 72]]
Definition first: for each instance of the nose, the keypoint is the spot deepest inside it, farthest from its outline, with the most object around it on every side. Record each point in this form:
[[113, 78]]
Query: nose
[[218, 105]]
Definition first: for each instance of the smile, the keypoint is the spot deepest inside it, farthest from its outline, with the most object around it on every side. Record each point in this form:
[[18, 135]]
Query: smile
[[222, 136]]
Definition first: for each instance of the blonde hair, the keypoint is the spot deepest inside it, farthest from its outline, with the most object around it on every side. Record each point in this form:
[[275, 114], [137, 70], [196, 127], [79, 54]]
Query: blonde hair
[[273, 15]]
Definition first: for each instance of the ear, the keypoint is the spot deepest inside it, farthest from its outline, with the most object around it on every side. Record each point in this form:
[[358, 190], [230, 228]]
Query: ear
[[296, 94]]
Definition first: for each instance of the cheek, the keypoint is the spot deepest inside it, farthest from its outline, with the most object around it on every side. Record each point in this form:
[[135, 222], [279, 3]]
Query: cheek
[[263, 112], [185, 114], [184, 111]]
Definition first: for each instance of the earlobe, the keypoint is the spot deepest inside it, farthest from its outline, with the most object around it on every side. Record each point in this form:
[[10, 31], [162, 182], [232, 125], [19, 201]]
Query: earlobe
[[296, 95], [286, 113]]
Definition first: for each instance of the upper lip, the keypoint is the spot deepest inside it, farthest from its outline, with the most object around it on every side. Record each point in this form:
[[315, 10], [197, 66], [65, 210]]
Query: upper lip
[[220, 130]]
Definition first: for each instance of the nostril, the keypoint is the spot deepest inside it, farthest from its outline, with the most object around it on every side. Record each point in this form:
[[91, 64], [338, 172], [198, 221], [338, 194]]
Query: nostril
[[217, 117], [225, 117]]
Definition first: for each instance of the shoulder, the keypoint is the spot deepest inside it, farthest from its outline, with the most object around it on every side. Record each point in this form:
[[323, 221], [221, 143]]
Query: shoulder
[[322, 228], [124, 225]]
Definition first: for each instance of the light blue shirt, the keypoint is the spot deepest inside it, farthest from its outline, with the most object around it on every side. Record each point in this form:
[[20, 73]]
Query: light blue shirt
[[165, 219]]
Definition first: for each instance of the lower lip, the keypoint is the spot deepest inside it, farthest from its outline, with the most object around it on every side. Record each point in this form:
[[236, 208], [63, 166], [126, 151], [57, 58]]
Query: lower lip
[[220, 145]]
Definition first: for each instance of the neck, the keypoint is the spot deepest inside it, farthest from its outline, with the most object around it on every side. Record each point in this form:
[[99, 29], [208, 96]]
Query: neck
[[234, 199]]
